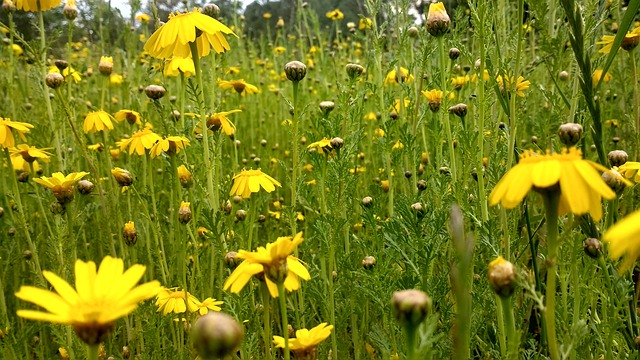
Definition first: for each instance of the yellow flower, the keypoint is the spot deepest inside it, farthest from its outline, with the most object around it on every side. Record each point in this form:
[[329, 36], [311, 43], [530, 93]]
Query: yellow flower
[[36, 5], [132, 117], [184, 176], [630, 41], [19, 165], [64, 354], [250, 181], [266, 16], [178, 65], [434, 98], [139, 141], [61, 185], [173, 301], [624, 240], [459, 81], [143, 18], [220, 121], [68, 73], [123, 177], [170, 145], [279, 50], [105, 66], [233, 70], [306, 341], [99, 299], [437, 19], [17, 50], [396, 105], [322, 145], [173, 38], [97, 121], [30, 153], [521, 84], [365, 23], [115, 79], [335, 15], [370, 116], [597, 76], [397, 146], [580, 185], [208, 304], [392, 77], [240, 86], [275, 262], [7, 129]]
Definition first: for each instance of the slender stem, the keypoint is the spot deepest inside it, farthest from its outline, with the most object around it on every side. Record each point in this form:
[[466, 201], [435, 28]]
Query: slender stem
[[266, 303], [294, 175], [411, 333], [92, 352], [551, 200], [481, 114], [512, 341], [444, 115], [636, 100], [285, 322]]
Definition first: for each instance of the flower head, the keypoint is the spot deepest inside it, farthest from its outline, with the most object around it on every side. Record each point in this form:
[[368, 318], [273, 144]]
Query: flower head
[[335, 15], [7, 130], [630, 41], [580, 185], [97, 121], [393, 78], [240, 86], [250, 181], [139, 141], [275, 262], [624, 240], [99, 299], [365, 23], [322, 145], [36, 5], [176, 301], [173, 38], [437, 20], [61, 185], [69, 73], [434, 98], [132, 117], [30, 153], [177, 65], [306, 341], [597, 76], [169, 145], [209, 304], [521, 84], [220, 121], [143, 18]]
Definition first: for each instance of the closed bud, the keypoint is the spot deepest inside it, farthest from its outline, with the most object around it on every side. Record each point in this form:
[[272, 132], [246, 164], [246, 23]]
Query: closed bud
[[326, 107], [130, 233], [57, 208], [123, 177], [295, 71], [70, 11], [1, 212], [126, 352], [231, 260], [418, 209], [354, 71], [185, 177], [408, 174], [337, 143], [211, 10], [216, 335], [106, 65], [410, 307], [592, 247], [54, 80], [502, 276], [570, 133], [437, 20], [27, 254], [155, 92], [459, 110], [367, 201], [614, 180], [413, 32], [61, 64], [617, 157], [8, 6], [422, 185], [454, 53], [564, 76], [85, 187], [241, 215], [184, 213], [368, 262]]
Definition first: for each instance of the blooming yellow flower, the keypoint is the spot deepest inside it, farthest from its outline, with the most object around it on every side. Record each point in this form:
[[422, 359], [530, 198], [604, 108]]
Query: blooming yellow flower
[[30, 153], [170, 145], [335, 15], [115, 79], [132, 117], [393, 78], [209, 304], [521, 84], [7, 129], [177, 65], [139, 141], [397, 146], [630, 41], [266, 16], [240, 86], [68, 73], [437, 19], [365, 23], [143, 18], [233, 70], [61, 185], [580, 185], [459, 81], [16, 49], [624, 240], [306, 341], [97, 121], [173, 301], [122, 176], [630, 170], [250, 181], [322, 145], [19, 165], [184, 176], [36, 5], [270, 261], [173, 38], [396, 105], [597, 76], [220, 121], [99, 299]]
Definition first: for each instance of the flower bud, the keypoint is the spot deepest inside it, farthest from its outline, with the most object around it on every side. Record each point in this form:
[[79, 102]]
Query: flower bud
[[130, 233], [369, 262], [460, 110], [454, 53], [8, 6], [241, 215], [413, 32], [106, 65], [184, 213], [617, 157], [231, 260], [70, 11], [1, 212], [122, 176], [437, 20], [85, 187], [211, 10], [564, 76], [570, 133], [502, 276], [295, 71], [410, 307], [422, 185], [185, 177], [326, 107], [385, 185], [614, 180], [592, 247], [126, 352], [155, 92], [57, 208], [418, 209], [367, 201], [337, 143], [630, 42], [216, 335], [354, 71], [54, 80]]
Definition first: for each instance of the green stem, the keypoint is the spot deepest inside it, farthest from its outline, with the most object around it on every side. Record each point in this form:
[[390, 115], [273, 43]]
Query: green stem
[[92, 352], [285, 322], [444, 115], [512, 341], [411, 332], [266, 302], [294, 175], [551, 200], [636, 100], [481, 114]]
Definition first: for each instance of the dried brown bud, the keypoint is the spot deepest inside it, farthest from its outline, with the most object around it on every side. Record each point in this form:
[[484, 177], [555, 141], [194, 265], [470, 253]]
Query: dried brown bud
[[570, 133]]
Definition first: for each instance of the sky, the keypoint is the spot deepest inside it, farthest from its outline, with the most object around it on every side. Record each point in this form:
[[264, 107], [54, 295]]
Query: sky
[[123, 5]]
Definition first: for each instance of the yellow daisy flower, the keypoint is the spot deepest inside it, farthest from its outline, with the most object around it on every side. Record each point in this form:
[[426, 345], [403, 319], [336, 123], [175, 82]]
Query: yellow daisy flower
[[143, 18], [69, 73], [177, 65], [170, 145], [629, 42], [99, 299], [97, 121], [335, 15], [624, 240], [322, 145], [139, 141], [173, 301], [132, 117], [393, 78], [61, 185], [30, 153], [250, 181], [240, 86], [36, 5], [597, 76], [220, 121], [306, 341], [7, 129], [521, 84], [209, 304]]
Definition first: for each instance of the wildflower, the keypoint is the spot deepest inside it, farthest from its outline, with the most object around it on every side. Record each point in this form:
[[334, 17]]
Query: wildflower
[[177, 66], [174, 301], [630, 41], [143, 18], [16, 49], [173, 38], [434, 97], [233, 70], [115, 79], [393, 78], [68, 73], [410, 307], [279, 50], [306, 341], [266, 16], [106, 65], [216, 336], [7, 129], [365, 23], [630, 170], [335, 15], [19, 165], [184, 176], [132, 117], [97, 121], [250, 181], [208, 304], [169, 145], [240, 86], [139, 141], [275, 262], [123, 177], [295, 71], [130, 233], [521, 84], [502, 276], [437, 20], [100, 298], [396, 104], [322, 145], [397, 146], [623, 239], [30, 153], [597, 76], [36, 5], [184, 212], [459, 81], [61, 185], [220, 121], [581, 188]]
